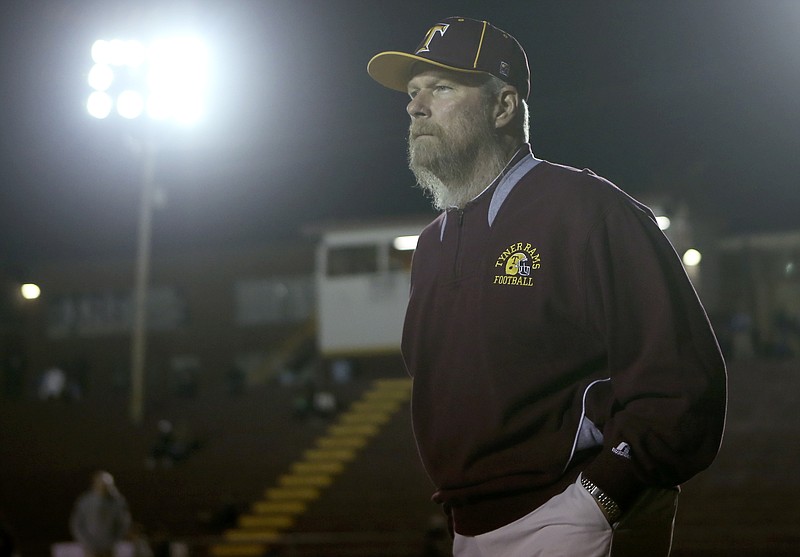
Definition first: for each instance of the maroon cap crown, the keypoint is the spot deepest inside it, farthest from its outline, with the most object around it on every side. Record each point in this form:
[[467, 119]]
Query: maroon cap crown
[[460, 44]]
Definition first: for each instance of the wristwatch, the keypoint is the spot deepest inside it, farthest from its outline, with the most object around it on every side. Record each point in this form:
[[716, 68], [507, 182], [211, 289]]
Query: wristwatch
[[606, 503]]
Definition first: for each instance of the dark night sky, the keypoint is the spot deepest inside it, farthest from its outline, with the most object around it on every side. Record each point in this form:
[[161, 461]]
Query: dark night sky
[[699, 99]]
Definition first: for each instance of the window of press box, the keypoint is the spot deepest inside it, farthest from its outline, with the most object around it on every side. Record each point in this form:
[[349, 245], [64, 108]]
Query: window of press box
[[352, 260]]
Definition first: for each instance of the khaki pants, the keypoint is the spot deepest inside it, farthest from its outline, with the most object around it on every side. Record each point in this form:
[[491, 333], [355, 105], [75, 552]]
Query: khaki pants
[[572, 525]]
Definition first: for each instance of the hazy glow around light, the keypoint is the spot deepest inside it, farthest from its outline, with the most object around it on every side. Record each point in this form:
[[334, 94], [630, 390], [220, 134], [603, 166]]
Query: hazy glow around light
[[178, 76], [117, 53], [158, 107], [30, 291], [692, 257], [99, 104], [404, 243], [188, 111], [130, 104], [135, 54], [663, 222]]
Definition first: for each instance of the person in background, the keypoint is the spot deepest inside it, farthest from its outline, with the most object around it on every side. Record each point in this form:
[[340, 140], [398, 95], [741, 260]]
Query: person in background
[[53, 384], [100, 517]]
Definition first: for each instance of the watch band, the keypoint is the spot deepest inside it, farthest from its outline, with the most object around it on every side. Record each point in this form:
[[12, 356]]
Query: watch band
[[606, 503]]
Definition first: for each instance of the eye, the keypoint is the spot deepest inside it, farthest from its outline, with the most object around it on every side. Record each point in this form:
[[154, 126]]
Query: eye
[[443, 88], [413, 93]]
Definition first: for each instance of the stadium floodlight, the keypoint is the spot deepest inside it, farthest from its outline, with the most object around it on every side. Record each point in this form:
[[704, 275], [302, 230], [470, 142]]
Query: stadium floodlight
[[101, 76], [165, 80], [130, 104], [101, 52], [30, 291], [99, 104], [692, 257]]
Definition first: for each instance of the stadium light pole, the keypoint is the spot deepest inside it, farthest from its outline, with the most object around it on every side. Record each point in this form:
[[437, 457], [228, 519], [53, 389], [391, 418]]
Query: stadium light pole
[[162, 82]]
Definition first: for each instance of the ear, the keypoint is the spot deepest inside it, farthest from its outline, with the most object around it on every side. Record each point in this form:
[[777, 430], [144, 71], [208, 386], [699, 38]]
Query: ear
[[507, 106]]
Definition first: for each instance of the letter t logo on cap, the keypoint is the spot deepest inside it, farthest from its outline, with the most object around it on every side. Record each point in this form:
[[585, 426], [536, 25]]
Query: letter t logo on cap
[[439, 28]]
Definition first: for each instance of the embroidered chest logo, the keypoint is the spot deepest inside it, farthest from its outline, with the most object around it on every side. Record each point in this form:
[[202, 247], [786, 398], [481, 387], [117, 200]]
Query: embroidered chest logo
[[515, 265]]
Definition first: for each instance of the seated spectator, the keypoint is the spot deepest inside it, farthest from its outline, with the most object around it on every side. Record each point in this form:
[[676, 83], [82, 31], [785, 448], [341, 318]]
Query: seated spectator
[[169, 448], [100, 517], [53, 384]]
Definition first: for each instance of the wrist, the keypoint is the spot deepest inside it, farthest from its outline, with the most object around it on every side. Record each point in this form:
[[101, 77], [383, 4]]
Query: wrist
[[607, 505]]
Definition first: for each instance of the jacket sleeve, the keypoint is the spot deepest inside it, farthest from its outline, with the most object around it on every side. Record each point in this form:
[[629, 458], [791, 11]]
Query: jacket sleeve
[[668, 376], [123, 522], [76, 521]]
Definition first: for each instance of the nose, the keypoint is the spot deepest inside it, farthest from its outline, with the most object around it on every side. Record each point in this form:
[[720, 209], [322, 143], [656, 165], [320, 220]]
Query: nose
[[418, 107]]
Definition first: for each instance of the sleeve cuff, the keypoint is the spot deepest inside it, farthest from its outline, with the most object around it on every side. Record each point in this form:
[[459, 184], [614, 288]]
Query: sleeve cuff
[[616, 477]]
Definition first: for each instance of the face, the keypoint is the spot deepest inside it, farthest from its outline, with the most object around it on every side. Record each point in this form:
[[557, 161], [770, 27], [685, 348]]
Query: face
[[451, 126], [102, 482]]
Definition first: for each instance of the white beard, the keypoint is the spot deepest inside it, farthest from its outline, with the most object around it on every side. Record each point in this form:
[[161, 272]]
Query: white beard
[[455, 170]]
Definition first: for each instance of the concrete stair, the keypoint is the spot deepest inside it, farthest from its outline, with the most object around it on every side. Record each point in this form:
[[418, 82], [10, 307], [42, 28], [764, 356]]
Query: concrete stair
[[307, 479]]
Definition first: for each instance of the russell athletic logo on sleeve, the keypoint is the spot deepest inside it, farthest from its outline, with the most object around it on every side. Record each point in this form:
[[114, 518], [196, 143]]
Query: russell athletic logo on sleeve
[[623, 450], [516, 264]]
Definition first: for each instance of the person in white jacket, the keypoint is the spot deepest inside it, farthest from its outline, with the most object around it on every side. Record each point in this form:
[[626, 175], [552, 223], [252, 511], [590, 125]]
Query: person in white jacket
[[100, 517]]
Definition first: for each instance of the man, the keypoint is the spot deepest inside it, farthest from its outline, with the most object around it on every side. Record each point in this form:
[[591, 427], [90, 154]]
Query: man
[[100, 518], [566, 377]]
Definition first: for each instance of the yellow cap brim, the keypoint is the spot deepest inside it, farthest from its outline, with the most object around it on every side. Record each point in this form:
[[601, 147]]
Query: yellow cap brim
[[393, 69]]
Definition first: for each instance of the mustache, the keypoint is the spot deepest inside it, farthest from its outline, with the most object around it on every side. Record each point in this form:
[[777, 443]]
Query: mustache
[[415, 130]]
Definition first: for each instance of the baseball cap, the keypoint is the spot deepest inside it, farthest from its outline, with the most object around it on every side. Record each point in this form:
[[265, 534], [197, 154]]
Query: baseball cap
[[460, 44]]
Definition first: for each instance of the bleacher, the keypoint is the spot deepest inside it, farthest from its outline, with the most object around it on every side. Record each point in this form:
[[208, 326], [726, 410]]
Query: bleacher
[[48, 452], [745, 505]]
